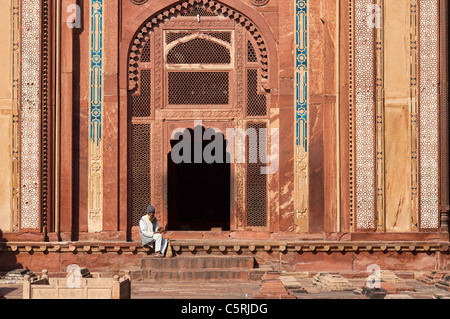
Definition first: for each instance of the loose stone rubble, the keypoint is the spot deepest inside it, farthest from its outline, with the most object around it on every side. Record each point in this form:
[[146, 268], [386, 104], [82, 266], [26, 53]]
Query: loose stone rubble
[[291, 284], [431, 277], [444, 283], [273, 288], [17, 276], [332, 282]]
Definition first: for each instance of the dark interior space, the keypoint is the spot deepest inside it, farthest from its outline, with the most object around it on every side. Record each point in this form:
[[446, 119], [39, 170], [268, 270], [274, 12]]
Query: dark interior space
[[198, 188]]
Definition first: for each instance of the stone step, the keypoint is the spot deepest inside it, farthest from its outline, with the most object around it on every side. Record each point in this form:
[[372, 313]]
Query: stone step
[[198, 262], [210, 274]]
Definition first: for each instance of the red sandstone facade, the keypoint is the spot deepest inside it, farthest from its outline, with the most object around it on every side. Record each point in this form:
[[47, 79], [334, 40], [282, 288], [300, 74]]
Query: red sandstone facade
[[94, 221]]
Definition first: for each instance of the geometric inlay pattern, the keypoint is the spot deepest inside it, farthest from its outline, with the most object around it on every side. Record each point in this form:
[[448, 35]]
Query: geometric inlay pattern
[[364, 117], [429, 110], [30, 115]]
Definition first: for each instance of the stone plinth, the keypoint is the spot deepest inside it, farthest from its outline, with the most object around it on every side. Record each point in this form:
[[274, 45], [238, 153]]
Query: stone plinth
[[389, 276], [273, 287], [331, 282], [81, 288]]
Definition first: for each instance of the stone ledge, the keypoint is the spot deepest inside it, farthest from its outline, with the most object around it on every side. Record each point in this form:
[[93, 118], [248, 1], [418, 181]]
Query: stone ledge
[[305, 246], [227, 246], [74, 247]]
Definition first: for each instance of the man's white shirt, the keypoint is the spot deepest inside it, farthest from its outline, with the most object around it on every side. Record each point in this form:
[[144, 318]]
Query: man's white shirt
[[148, 228]]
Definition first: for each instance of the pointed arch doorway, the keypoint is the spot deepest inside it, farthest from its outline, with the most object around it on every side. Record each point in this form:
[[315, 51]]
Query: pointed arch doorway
[[198, 177], [188, 65]]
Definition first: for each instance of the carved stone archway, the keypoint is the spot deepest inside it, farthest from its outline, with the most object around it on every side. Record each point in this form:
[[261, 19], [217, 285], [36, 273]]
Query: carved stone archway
[[234, 10], [249, 76]]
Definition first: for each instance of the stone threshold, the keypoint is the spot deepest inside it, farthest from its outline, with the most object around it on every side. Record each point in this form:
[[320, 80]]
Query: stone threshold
[[228, 246]]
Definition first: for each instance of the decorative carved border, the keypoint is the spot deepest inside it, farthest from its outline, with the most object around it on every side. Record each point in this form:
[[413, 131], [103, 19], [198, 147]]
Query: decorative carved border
[[95, 179], [196, 114], [30, 115], [239, 193], [364, 119], [380, 121], [157, 163], [414, 111], [301, 117], [429, 113], [45, 111], [351, 115], [444, 107], [15, 200]]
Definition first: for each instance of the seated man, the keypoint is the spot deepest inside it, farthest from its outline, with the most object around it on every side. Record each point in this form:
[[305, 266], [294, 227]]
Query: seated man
[[150, 233]]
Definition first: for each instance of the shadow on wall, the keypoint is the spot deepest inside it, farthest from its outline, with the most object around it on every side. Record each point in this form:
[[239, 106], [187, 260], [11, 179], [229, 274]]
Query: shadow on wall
[[8, 259]]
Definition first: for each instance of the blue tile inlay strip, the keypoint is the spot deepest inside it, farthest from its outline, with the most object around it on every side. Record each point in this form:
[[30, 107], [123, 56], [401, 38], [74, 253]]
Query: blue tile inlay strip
[[302, 74], [96, 69]]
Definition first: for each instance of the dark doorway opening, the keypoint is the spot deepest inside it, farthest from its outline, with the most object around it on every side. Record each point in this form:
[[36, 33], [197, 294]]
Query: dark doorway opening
[[198, 181]]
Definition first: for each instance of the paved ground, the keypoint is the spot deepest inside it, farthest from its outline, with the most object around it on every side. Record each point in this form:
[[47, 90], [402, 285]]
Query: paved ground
[[195, 290], [244, 290], [422, 290], [11, 291]]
